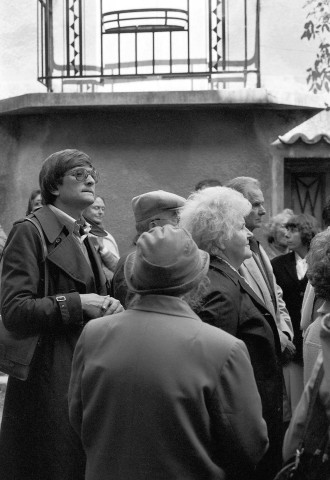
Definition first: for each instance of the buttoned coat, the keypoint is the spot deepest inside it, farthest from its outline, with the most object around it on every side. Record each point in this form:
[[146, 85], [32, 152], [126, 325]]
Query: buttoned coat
[[232, 305], [156, 394], [36, 440]]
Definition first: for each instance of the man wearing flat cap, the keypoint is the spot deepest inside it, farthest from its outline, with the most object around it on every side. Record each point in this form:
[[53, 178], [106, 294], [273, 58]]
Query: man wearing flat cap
[[150, 210], [157, 394]]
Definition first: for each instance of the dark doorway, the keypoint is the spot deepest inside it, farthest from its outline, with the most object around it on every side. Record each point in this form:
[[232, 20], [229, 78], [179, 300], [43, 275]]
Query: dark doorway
[[306, 185]]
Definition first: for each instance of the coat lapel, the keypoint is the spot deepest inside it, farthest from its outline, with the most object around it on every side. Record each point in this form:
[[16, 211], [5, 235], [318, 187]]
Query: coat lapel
[[222, 266], [64, 252]]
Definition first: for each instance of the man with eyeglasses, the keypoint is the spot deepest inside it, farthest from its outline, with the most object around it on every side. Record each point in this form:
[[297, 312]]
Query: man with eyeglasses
[[36, 440], [151, 209]]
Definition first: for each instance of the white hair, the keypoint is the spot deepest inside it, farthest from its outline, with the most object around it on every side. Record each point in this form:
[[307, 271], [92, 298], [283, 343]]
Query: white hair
[[212, 215]]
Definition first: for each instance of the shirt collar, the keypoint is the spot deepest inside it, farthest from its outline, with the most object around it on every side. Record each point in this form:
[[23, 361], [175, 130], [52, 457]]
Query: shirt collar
[[70, 222]]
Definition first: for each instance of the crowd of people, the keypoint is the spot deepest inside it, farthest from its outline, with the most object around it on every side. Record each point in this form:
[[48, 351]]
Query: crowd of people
[[190, 356]]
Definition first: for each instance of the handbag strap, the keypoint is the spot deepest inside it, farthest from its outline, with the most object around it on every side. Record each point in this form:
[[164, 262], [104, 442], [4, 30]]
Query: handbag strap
[[44, 251]]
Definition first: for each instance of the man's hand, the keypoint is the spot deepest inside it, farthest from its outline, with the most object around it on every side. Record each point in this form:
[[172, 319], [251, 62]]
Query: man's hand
[[95, 306]]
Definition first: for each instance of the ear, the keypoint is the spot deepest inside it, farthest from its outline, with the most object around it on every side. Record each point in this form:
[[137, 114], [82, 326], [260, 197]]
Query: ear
[[55, 192], [221, 246]]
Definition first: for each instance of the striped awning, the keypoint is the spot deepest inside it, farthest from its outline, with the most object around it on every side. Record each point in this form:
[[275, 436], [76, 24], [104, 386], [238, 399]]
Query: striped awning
[[312, 131]]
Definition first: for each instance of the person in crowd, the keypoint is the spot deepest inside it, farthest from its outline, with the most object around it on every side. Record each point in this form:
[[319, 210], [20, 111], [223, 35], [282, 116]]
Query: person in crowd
[[34, 202], [155, 393], [312, 303], [215, 219], [277, 243], [258, 270], [321, 409], [151, 209], [290, 273], [106, 245], [208, 182], [318, 273], [37, 441]]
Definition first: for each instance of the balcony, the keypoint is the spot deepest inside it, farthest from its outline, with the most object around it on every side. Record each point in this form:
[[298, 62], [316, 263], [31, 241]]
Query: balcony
[[130, 45]]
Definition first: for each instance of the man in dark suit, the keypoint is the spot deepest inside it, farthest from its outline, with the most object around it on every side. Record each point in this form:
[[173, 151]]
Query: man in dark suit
[[36, 440]]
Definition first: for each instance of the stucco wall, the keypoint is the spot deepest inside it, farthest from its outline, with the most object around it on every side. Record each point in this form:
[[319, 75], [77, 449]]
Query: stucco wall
[[141, 150]]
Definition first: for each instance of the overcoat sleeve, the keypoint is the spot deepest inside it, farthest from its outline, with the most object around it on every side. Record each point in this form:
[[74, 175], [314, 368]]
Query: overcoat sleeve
[[24, 307], [236, 408], [220, 306], [75, 392]]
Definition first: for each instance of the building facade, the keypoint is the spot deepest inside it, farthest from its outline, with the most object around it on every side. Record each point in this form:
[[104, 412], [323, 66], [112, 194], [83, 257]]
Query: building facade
[[162, 94]]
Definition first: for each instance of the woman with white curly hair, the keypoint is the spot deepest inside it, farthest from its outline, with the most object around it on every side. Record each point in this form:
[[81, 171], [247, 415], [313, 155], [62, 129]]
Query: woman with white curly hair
[[215, 218]]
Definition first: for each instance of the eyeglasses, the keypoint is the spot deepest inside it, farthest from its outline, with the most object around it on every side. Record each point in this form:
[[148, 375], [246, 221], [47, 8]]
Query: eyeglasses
[[81, 174]]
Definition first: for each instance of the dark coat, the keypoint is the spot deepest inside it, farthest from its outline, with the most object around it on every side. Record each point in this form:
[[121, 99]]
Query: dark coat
[[36, 440], [156, 394], [285, 272], [232, 305]]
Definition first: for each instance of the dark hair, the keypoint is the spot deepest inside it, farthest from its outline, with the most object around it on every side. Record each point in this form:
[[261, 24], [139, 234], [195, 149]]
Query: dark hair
[[32, 196], [53, 170], [307, 226], [326, 213], [208, 182], [318, 261]]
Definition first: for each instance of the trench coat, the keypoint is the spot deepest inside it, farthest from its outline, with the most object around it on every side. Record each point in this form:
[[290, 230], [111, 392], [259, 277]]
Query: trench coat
[[36, 438], [232, 305], [156, 394]]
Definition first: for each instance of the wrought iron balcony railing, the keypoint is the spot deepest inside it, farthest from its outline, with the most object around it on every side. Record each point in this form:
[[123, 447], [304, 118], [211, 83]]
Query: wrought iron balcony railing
[[93, 42]]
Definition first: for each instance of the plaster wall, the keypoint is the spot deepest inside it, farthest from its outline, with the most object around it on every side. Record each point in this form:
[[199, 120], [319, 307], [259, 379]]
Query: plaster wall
[[141, 150]]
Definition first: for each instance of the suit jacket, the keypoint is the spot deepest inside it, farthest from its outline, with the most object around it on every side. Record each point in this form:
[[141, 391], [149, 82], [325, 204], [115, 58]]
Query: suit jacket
[[157, 394], [232, 305], [36, 439], [293, 289], [254, 274]]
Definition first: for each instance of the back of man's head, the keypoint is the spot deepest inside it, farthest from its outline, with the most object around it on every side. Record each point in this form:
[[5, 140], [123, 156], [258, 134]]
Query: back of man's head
[[54, 168], [156, 208], [244, 185]]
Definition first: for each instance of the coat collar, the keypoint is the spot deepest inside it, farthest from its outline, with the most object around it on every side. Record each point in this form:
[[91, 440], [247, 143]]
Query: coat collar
[[166, 305], [51, 224], [237, 279], [63, 251]]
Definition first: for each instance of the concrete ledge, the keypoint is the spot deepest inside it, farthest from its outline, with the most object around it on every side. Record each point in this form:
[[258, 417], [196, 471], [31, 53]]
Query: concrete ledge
[[258, 97]]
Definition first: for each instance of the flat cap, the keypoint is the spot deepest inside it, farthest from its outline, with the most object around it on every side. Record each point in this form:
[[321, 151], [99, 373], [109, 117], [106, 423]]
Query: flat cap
[[149, 204]]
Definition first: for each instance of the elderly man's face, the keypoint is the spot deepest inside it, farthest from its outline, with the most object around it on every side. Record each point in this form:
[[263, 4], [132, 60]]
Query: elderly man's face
[[254, 219], [95, 212]]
